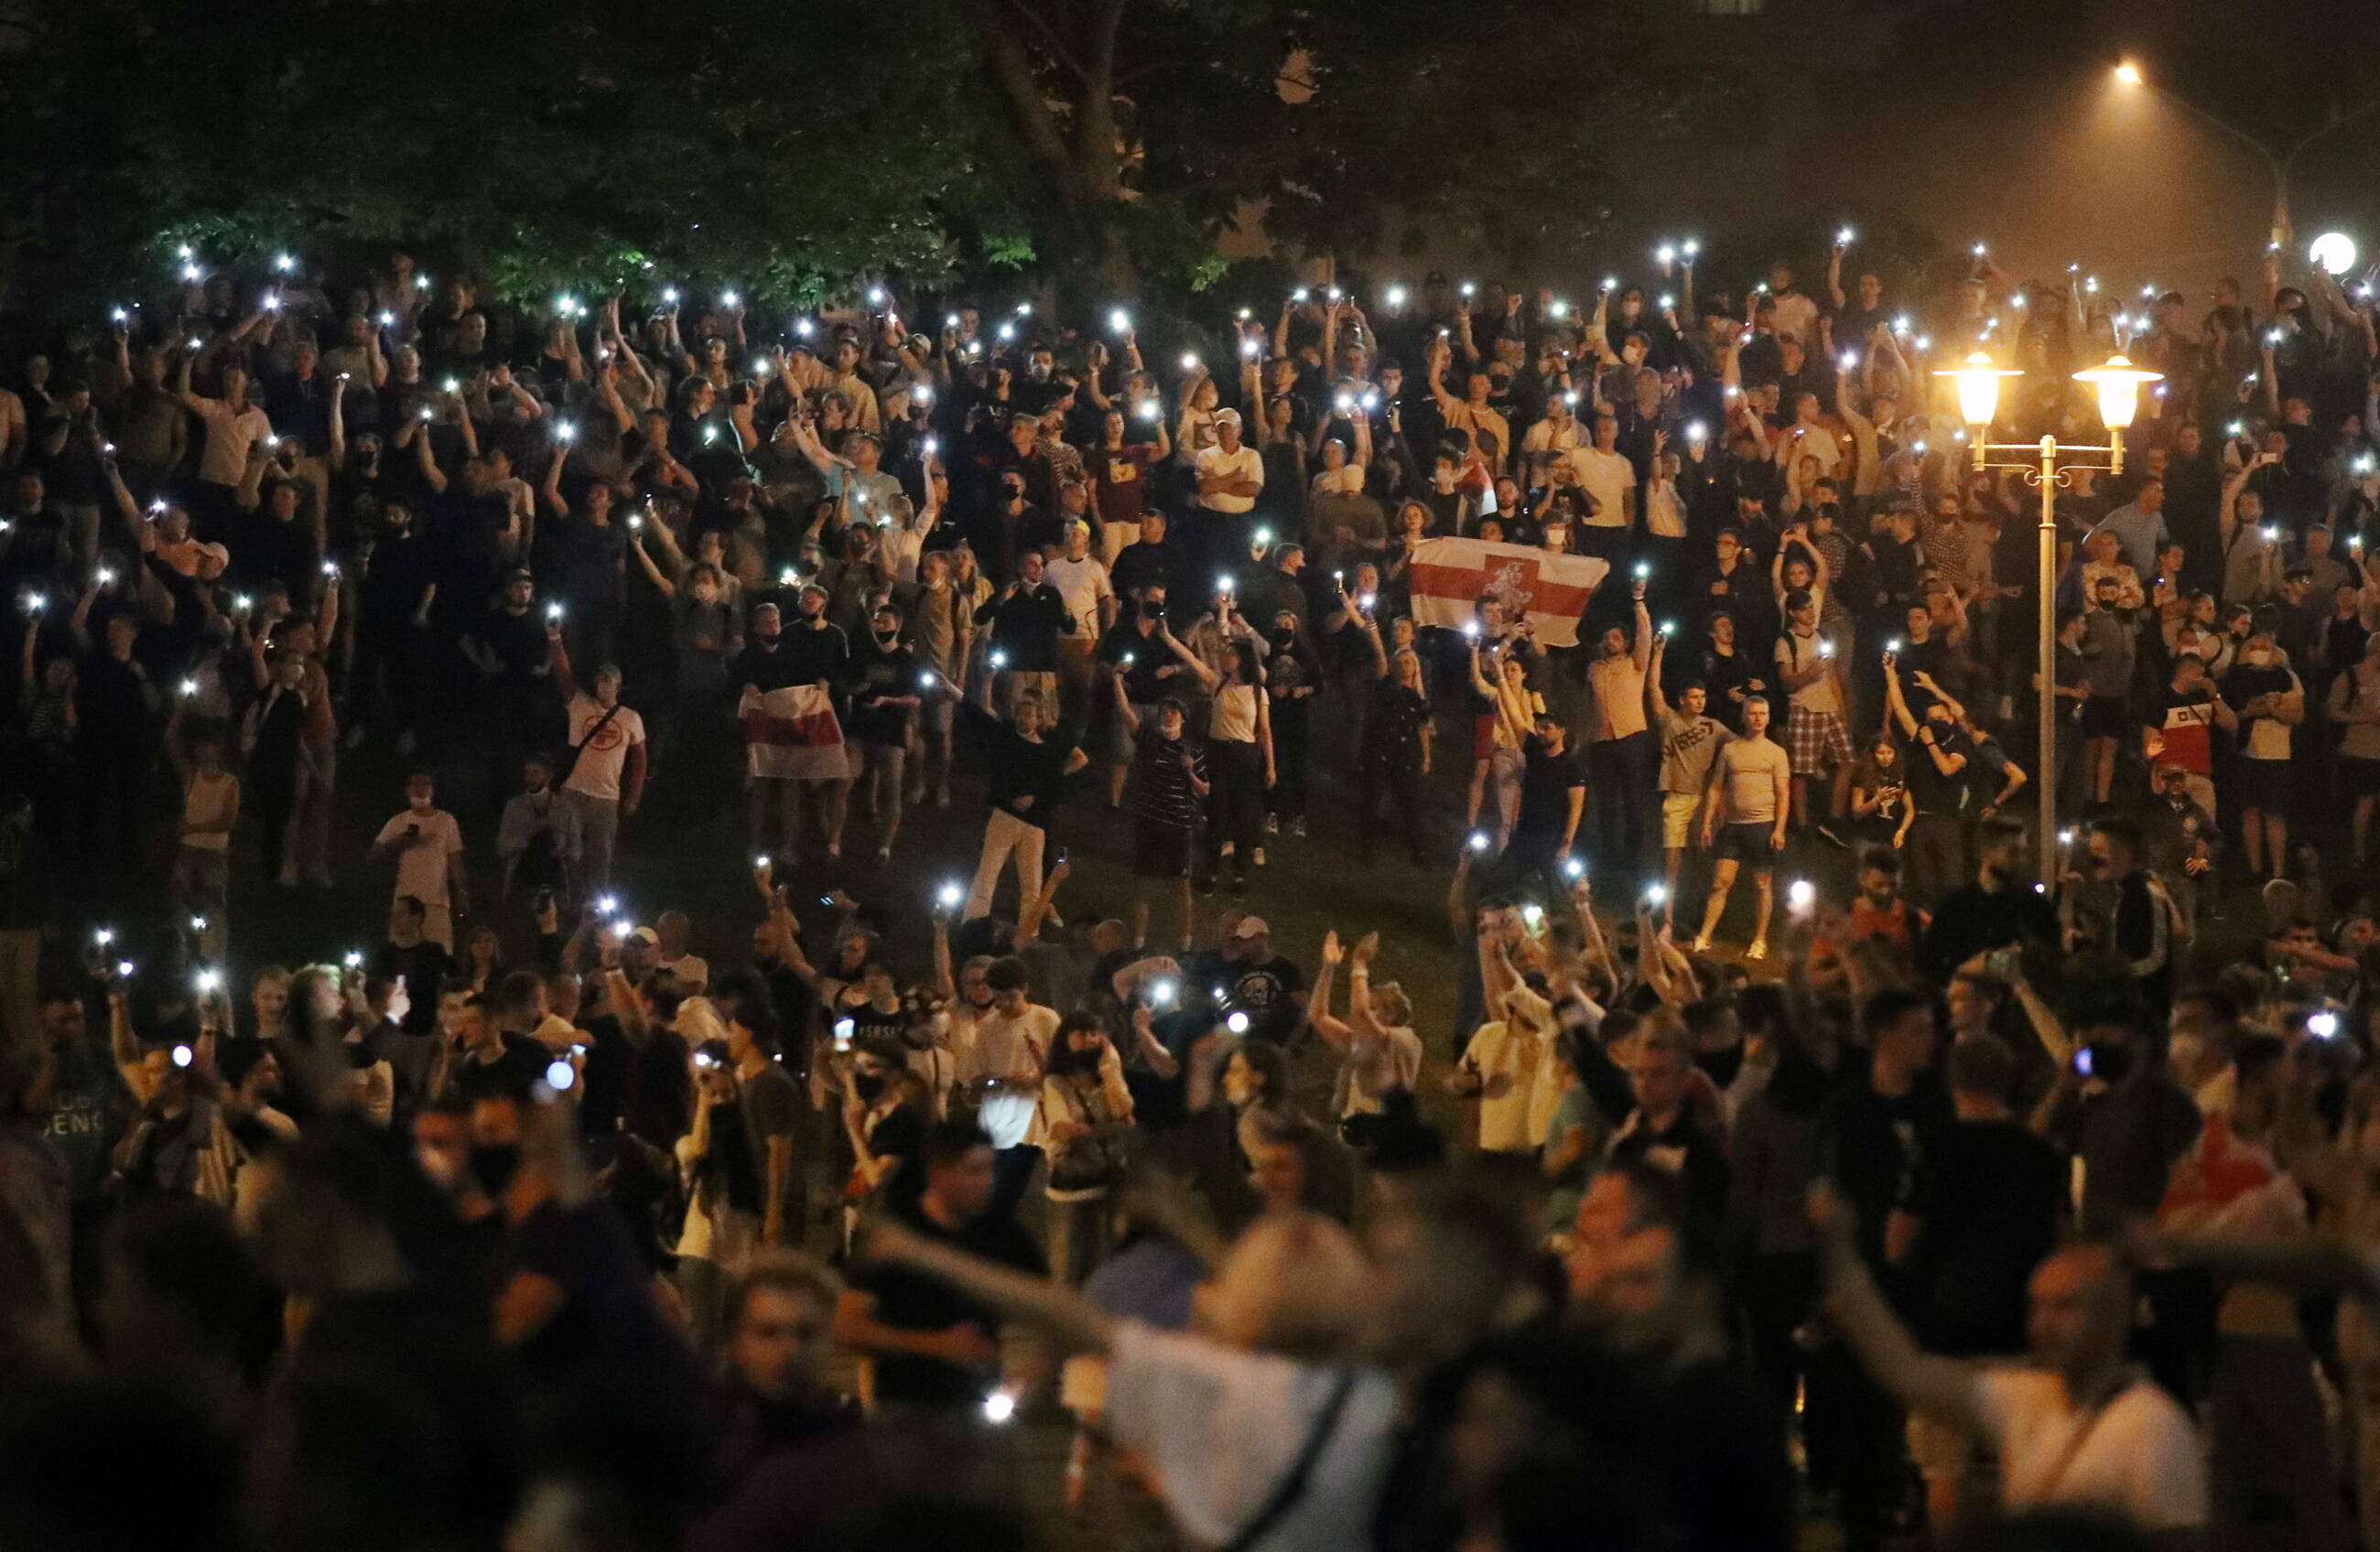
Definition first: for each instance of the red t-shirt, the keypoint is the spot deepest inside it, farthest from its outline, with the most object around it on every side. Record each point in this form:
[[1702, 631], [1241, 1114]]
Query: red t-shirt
[[1118, 479]]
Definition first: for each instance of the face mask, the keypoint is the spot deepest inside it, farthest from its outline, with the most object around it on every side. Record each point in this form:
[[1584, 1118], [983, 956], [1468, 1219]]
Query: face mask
[[1284, 637], [494, 1164], [868, 1085], [2110, 1063]]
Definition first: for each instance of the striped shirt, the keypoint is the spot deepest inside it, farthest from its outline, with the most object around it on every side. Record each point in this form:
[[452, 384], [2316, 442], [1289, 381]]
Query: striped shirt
[[1163, 778]]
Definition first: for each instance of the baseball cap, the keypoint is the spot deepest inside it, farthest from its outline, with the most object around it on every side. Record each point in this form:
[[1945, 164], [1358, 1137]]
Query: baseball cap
[[645, 934], [1250, 926], [1227, 418]]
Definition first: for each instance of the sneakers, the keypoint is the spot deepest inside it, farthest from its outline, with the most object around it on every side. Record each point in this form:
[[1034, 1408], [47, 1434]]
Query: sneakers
[[1759, 950], [1272, 824]]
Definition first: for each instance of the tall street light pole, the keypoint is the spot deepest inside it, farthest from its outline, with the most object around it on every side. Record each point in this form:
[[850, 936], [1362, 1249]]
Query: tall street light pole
[[2280, 164], [2049, 468]]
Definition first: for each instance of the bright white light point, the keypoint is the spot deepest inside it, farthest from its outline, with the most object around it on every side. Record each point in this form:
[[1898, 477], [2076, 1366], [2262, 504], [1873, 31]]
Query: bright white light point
[[2335, 251]]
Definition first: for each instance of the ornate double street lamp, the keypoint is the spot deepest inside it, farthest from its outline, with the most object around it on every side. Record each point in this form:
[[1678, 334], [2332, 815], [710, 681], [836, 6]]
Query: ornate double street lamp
[[2049, 468]]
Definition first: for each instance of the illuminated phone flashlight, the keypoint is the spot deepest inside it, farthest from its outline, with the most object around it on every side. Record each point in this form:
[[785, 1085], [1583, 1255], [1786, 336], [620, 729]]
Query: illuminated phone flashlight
[[998, 658], [730, 298], [566, 432], [788, 577], [425, 415], [1223, 584], [1189, 361], [1007, 331], [1669, 627], [183, 252], [241, 603], [1024, 309], [120, 316], [1298, 296], [388, 321], [1470, 287], [1471, 628], [189, 688], [2272, 535], [422, 283], [876, 296], [1533, 915], [1476, 841], [189, 272], [1000, 1407], [1235, 1021], [1365, 601], [1559, 308], [844, 1028], [184, 1056], [560, 1075], [1978, 251], [1697, 431], [353, 959], [1925, 342], [1394, 296], [2322, 1025], [124, 968], [805, 327], [554, 612], [1119, 321], [1850, 360], [669, 295], [2237, 428], [198, 924], [1655, 893], [1843, 238], [1892, 646], [608, 906], [106, 576], [1666, 255], [1667, 301], [1570, 397], [1643, 570], [1801, 895], [329, 568], [208, 980], [949, 896], [272, 302]]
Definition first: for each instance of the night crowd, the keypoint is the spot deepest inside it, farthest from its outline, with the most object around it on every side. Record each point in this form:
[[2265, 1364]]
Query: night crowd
[[1786, 1150]]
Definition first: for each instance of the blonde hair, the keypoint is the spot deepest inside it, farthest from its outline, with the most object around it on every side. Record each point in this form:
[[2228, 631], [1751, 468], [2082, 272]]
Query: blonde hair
[[1295, 1284], [1391, 1005]]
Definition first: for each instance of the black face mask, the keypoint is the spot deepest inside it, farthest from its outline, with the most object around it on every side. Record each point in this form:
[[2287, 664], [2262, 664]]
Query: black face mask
[[2109, 1063], [494, 1164], [1153, 609], [1284, 637], [868, 1085]]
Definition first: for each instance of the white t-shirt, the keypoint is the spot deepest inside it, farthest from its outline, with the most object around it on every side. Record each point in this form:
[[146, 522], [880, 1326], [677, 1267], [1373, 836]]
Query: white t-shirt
[[1665, 511], [1508, 1063], [1607, 477], [1245, 464], [692, 972], [1797, 314], [1224, 1428], [597, 774], [421, 862], [2142, 1458], [1084, 585]]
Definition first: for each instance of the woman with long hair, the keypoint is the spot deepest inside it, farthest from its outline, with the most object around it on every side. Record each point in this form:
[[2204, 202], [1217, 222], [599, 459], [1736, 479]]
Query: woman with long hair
[[1086, 1120], [1396, 750]]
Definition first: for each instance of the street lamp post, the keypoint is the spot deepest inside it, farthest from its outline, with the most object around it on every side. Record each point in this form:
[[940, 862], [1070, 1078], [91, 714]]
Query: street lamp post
[[2048, 469], [2281, 163]]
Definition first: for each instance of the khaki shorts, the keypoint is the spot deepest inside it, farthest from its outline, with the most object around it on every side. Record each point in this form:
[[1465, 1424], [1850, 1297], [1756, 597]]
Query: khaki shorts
[[1678, 811]]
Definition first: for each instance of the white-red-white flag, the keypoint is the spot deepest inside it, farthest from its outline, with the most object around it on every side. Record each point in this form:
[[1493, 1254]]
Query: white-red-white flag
[[1451, 576], [791, 733]]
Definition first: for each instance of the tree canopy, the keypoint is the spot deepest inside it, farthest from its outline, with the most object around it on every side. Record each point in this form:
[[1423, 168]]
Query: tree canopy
[[793, 148]]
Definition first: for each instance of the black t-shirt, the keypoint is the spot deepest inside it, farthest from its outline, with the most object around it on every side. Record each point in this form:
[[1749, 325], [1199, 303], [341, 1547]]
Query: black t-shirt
[[523, 1064], [1260, 989], [878, 674], [914, 1302], [425, 967], [1929, 788], [1546, 787], [1998, 1193]]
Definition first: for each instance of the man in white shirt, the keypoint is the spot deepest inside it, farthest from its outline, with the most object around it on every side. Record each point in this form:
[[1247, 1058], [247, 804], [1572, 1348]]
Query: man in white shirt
[[1230, 477], [2079, 1428], [1609, 480], [234, 426], [1082, 581], [427, 846], [605, 756], [1549, 440], [1003, 1063], [1796, 313]]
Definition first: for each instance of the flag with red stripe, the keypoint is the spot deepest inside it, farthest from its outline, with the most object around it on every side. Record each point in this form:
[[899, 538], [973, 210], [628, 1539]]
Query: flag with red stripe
[[792, 734], [1450, 577]]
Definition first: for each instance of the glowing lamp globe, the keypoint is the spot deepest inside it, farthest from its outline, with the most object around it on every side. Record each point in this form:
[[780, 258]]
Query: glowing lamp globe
[[2334, 251], [1979, 387], [2119, 384]]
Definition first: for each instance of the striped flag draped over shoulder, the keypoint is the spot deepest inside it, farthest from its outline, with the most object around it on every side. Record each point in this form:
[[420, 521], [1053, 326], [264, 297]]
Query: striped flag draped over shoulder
[[791, 733], [1450, 576]]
